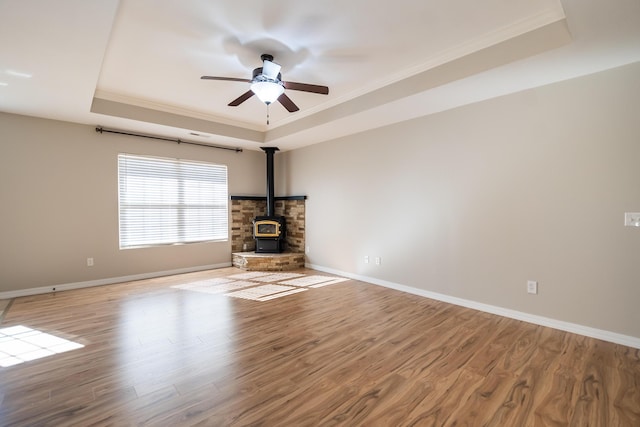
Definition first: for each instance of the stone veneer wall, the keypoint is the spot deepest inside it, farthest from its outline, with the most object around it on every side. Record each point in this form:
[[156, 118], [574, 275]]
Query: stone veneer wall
[[244, 210], [242, 214]]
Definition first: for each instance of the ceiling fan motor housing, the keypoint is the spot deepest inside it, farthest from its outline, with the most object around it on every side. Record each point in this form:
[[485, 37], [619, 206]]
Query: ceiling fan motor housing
[[258, 76]]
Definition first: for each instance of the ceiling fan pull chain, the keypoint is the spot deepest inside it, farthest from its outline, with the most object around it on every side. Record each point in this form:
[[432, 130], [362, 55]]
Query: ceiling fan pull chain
[[267, 114]]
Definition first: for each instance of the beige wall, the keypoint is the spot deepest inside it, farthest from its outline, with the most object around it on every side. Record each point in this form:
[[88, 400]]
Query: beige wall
[[470, 203], [58, 191], [473, 202]]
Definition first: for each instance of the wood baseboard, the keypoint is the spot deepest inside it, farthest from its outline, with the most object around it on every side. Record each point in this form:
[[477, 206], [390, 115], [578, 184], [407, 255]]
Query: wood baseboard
[[574, 328], [107, 281]]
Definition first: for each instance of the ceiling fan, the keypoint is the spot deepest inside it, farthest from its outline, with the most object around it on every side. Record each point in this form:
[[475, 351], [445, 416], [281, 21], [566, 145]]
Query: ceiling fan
[[267, 85]]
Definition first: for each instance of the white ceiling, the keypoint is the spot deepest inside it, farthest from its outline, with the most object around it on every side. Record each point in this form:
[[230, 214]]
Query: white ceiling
[[136, 64]]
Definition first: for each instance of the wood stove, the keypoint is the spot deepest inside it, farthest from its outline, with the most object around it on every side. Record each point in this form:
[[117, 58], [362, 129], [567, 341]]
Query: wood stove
[[270, 230]]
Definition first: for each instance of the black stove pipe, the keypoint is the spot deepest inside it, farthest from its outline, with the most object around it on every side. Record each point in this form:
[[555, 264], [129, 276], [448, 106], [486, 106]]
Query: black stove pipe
[[271, 198]]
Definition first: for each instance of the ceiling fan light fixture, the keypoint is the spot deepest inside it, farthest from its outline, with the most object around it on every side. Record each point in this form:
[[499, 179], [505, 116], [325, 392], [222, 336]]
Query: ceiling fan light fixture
[[267, 91]]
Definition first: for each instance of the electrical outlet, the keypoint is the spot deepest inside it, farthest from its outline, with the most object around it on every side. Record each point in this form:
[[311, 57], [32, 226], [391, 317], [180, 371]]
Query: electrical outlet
[[366, 259], [378, 260], [307, 250], [532, 287], [632, 219], [89, 262]]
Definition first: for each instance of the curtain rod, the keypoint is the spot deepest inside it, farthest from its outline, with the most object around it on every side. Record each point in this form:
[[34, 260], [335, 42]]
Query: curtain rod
[[100, 129]]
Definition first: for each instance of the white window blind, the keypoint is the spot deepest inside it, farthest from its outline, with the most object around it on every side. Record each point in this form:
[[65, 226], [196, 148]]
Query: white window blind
[[169, 201]]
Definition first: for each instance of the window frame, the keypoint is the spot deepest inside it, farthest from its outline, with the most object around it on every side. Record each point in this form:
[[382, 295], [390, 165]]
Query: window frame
[[183, 185]]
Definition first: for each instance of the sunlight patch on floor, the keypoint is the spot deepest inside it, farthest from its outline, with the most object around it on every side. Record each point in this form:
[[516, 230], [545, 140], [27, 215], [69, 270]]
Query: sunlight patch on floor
[[251, 285], [314, 281], [265, 292], [249, 275], [19, 344], [277, 277], [206, 287]]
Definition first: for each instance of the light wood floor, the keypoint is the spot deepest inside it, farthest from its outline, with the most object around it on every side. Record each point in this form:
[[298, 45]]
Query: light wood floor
[[347, 354]]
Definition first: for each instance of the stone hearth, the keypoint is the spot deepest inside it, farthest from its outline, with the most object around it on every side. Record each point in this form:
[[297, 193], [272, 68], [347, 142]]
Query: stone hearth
[[268, 262]]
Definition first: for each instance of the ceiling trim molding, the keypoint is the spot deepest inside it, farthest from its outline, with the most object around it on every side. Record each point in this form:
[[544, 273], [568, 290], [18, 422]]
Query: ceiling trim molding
[[133, 112], [492, 38], [157, 106], [542, 39]]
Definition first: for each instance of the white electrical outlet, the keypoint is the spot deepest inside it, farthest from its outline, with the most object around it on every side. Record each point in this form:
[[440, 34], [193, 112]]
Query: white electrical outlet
[[632, 219], [532, 287], [378, 260], [366, 259], [307, 250], [89, 262]]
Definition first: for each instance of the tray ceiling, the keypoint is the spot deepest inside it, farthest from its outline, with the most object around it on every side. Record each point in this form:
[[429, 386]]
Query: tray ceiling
[[136, 64]]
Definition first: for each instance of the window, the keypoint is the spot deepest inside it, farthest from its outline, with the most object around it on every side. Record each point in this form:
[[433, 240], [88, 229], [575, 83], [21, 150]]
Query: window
[[169, 201]]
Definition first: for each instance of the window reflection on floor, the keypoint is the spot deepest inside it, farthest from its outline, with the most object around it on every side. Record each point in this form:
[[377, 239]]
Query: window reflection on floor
[[19, 344]]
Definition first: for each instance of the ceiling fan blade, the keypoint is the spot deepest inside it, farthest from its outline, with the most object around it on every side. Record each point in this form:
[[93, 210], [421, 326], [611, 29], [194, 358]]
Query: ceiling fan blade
[[227, 79], [239, 100], [305, 87], [288, 103], [271, 69]]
